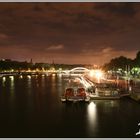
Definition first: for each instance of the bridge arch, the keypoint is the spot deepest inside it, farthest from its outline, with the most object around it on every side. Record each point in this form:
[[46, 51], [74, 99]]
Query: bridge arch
[[79, 70]]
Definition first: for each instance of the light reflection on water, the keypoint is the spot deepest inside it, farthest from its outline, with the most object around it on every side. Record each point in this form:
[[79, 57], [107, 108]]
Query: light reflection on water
[[3, 81], [92, 112], [92, 118], [29, 76], [29, 84], [60, 86], [12, 86], [12, 92], [43, 81], [21, 76], [53, 83], [37, 99]]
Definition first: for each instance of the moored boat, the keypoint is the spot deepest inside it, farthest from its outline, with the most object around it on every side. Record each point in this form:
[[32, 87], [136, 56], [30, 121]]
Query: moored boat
[[75, 94]]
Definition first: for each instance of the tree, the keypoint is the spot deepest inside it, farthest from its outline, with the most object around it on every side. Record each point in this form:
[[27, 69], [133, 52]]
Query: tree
[[137, 59], [118, 62]]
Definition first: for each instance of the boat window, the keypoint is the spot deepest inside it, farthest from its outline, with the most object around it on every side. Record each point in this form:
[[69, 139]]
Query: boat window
[[81, 90], [69, 90]]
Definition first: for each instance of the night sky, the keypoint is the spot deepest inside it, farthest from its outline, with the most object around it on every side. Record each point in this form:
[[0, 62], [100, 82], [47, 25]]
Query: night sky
[[86, 33]]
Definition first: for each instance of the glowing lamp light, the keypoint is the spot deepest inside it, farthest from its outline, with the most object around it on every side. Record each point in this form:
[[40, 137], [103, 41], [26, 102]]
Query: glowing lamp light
[[98, 74]]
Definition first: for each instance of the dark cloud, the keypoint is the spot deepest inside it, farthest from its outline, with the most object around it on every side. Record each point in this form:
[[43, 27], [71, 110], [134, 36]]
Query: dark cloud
[[69, 32], [121, 9]]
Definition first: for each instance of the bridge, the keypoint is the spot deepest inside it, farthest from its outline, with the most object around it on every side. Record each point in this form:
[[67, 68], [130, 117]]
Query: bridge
[[74, 71]]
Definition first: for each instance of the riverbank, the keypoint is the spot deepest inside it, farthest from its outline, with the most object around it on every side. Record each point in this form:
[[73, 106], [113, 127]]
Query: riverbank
[[135, 96]]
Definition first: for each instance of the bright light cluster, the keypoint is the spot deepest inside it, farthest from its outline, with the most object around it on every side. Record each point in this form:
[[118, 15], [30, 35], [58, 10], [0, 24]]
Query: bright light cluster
[[96, 73]]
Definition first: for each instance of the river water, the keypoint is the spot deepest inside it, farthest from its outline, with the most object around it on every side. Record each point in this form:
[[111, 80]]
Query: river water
[[30, 106]]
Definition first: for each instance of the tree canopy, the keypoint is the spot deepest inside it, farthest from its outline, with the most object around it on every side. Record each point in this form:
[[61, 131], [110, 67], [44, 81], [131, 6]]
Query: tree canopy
[[122, 62]]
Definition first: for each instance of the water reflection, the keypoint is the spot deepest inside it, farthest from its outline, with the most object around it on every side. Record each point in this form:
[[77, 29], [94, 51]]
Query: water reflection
[[12, 86], [43, 81], [92, 112], [11, 78], [20, 76], [53, 74], [60, 87], [33, 114], [29, 76], [92, 118], [12, 92], [60, 75], [29, 84], [53, 83], [3, 81]]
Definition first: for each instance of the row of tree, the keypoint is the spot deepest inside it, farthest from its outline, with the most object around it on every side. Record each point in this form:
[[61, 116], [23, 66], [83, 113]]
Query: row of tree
[[123, 63], [7, 64], [115, 63]]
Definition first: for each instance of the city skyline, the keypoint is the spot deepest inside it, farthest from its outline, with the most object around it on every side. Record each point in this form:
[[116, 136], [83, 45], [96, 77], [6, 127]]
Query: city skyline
[[73, 33]]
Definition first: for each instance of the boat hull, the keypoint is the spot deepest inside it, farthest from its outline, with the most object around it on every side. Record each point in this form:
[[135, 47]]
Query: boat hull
[[75, 98]]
